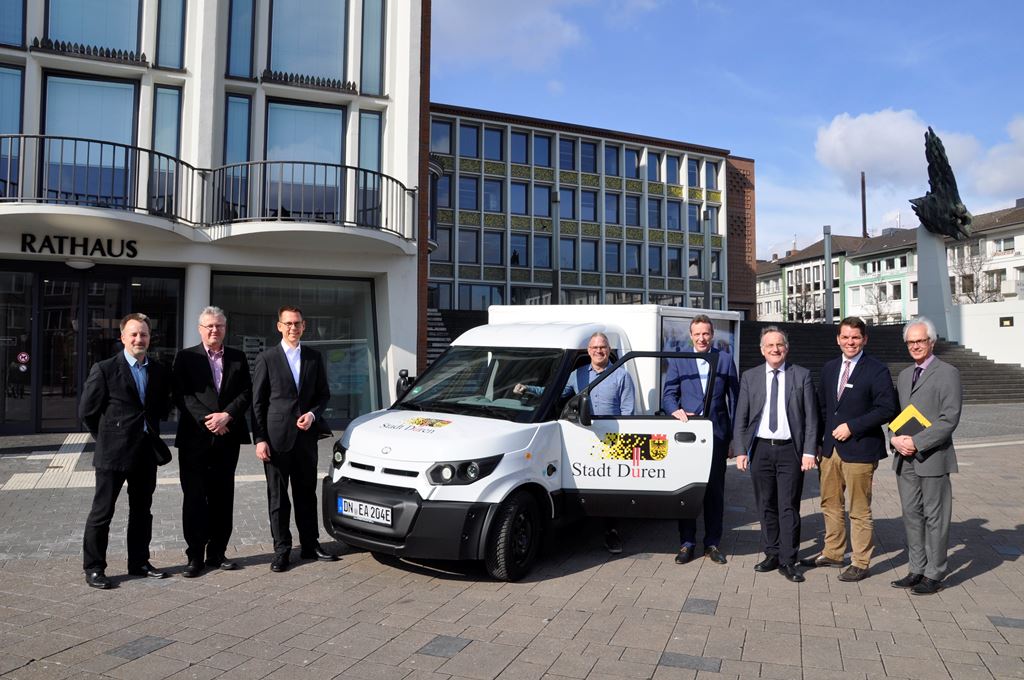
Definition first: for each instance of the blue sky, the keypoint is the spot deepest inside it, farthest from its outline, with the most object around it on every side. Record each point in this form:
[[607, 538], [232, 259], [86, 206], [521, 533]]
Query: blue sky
[[814, 92]]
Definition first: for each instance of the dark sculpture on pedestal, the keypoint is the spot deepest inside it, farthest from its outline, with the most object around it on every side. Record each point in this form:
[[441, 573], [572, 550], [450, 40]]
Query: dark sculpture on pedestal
[[940, 210]]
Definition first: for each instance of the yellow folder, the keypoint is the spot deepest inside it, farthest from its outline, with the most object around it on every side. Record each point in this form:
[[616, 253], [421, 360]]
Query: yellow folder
[[909, 422]]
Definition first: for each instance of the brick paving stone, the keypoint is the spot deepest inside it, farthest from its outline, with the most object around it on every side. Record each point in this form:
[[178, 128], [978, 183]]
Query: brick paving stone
[[481, 660], [772, 648], [967, 672], [196, 672], [622, 669], [1004, 666], [151, 667], [697, 663], [572, 666], [914, 668], [444, 646]]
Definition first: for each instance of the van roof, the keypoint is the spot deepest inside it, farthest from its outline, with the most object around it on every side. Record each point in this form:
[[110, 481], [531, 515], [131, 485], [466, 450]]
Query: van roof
[[547, 335]]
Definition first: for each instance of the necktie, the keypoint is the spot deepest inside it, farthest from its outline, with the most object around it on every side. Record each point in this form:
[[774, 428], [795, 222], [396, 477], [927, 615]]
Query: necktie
[[917, 374], [773, 410], [842, 381]]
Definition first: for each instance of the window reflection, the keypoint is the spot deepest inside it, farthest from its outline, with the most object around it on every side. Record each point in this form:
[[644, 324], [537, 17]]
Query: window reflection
[[372, 78], [240, 39], [170, 39], [12, 22], [311, 189], [101, 23], [10, 123], [308, 37]]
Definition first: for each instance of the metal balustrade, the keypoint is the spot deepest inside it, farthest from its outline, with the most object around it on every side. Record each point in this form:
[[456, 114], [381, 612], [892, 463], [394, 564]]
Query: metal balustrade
[[93, 173]]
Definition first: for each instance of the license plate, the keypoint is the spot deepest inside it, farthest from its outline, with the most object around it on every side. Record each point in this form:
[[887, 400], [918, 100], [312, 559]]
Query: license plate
[[364, 512]]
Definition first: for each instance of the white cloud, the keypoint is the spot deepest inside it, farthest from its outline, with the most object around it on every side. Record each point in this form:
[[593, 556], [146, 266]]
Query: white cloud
[[528, 35], [1001, 171]]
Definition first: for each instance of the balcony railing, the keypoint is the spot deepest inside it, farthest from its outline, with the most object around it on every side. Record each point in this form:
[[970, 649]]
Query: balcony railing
[[93, 173]]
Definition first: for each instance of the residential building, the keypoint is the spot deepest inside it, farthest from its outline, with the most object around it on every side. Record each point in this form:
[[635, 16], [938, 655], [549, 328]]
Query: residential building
[[769, 291], [158, 156], [804, 280], [881, 278], [532, 211]]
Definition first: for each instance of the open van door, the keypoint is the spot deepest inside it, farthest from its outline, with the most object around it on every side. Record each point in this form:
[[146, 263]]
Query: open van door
[[644, 465]]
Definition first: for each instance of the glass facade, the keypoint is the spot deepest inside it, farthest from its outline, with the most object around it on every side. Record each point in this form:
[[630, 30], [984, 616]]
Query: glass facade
[[372, 77], [12, 22], [308, 37], [240, 31], [99, 23], [311, 188], [170, 40]]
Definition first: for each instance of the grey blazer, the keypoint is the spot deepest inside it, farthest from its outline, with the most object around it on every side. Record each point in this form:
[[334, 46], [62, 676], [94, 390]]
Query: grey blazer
[[801, 409], [938, 396]]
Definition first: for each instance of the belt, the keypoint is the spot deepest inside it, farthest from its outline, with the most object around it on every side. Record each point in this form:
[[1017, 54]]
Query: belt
[[775, 442]]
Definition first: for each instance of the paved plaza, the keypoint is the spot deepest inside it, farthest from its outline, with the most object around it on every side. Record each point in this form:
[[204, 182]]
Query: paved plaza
[[580, 614]]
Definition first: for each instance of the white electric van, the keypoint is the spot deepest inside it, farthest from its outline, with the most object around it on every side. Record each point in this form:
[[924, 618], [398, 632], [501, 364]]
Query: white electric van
[[463, 467]]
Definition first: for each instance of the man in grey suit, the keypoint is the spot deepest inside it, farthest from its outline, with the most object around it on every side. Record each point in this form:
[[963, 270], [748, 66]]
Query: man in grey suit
[[776, 436], [927, 458]]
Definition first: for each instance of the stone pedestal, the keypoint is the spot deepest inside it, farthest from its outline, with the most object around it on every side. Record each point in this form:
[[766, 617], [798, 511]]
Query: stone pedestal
[[933, 297]]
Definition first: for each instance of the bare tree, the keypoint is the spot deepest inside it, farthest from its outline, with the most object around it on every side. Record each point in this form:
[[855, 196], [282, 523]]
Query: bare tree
[[800, 304], [967, 269], [877, 303]]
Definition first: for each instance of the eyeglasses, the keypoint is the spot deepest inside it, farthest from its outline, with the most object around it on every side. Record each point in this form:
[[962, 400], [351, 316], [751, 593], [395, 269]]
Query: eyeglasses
[[291, 324], [601, 348], [912, 343], [213, 326]]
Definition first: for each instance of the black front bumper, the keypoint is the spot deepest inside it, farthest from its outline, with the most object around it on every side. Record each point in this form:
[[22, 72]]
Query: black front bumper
[[444, 530]]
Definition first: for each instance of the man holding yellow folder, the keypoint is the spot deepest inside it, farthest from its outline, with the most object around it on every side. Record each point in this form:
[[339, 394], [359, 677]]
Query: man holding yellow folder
[[930, 396]]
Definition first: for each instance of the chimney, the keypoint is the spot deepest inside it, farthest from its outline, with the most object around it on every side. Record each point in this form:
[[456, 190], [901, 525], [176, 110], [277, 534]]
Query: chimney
[[863, 206], [775, 256]]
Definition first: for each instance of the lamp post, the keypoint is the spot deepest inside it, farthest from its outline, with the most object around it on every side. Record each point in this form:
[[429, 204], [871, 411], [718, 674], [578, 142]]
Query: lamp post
[[556, 238]]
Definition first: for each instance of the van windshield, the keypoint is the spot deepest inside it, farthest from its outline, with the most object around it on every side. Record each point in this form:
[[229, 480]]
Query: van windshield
[[481, 381]]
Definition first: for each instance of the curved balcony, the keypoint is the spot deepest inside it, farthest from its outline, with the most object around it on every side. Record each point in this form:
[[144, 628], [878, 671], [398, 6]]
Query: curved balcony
[[92, 173]]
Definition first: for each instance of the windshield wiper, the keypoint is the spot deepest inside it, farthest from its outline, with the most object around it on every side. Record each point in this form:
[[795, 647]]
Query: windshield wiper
[[408, 406]]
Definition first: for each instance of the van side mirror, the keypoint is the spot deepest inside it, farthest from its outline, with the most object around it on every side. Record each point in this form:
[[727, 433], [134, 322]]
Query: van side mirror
[[404, 383], [578, 410], [584, 406]]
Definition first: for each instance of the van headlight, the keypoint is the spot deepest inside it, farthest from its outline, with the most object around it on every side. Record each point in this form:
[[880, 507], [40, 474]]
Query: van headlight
[[462, 472], [338, 457]]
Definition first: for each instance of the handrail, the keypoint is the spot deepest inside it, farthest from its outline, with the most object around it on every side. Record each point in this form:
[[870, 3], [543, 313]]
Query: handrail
[[90, 172]]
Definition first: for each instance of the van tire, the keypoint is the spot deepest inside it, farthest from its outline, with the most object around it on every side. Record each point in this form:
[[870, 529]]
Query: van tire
[[514, 538]]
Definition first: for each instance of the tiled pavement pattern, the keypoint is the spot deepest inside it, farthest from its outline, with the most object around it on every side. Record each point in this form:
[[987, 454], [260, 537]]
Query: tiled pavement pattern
[[580, 614]]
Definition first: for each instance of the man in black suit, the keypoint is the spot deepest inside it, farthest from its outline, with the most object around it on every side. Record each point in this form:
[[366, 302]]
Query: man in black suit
[[857, 399], [124, 399], [777, 432], [213, 393], [290, 395]]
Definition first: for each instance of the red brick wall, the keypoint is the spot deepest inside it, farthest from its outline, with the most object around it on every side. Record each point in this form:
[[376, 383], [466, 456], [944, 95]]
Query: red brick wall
[[741, 232], [422, 262]]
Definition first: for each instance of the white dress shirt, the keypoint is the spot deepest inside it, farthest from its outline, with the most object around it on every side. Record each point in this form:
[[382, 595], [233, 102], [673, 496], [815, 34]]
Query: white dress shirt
[[782, 430], [842, 368], [294, 357]]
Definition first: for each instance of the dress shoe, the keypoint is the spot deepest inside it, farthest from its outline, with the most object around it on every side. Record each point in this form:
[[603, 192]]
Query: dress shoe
[[927, 586], [820, 561], [280, 563], [148, 570], [767, 564], [715, 555], [908, 581], [193, 568], [222, 563], [791, 573], [685, 554], [97, 579], [612, 542], [854, 573], [318, 553]]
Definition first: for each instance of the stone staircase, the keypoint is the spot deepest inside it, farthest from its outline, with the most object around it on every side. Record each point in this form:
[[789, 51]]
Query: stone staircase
[[444, 325], [811, 345]]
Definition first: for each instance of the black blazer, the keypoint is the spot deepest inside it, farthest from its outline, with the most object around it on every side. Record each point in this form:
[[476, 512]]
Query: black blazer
[[801, 409], [196, 397], [868, 402], [276, 402], [111, 410]]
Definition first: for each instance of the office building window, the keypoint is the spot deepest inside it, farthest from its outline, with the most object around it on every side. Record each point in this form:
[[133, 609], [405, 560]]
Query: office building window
[[588, 156], [441, 137], [611, 208], [520, 147], [10, 105], [479, 297], [675, 261], [469, 141], [611, 160], [674, 215], [654, 260], [469, 192], [653, 164], [695, 268], [520, 250], [369, 141], [444, 191], [632, 208], [541, 200], [494, 248], [566, 154], [98, 23], [372, 80], [693, 218], [443, 252], [439, 295], [542, 252], [612, 257], [240, 36], [542, 150], [693, 172], [633, 259], [469, 246], [710, 175], [654, 213], [672, 169], [518, 203], [588, 255], [712, 218], [716, 270], [631, 164], [492, 195], [567, 204], [494, 144], [315, 134], [12, 22], [307, 37], [170, 38], [588, 206], [166, 135], [567, 253]]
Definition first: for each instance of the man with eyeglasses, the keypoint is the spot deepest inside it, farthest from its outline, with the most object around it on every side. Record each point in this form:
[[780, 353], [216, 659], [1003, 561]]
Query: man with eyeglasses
[[924, 461], [290, 394], [213, 393]]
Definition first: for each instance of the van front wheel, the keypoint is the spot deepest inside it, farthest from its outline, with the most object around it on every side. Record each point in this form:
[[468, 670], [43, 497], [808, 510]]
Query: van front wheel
[[514, 538]]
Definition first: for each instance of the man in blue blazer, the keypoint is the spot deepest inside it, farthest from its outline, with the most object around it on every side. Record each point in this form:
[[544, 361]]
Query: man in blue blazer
[[857, 399], [682, 395]]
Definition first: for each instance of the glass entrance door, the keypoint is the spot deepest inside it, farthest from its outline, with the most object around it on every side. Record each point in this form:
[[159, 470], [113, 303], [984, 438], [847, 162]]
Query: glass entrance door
[[16, 350]]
